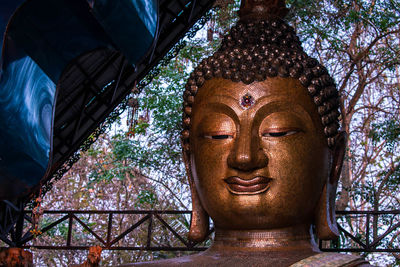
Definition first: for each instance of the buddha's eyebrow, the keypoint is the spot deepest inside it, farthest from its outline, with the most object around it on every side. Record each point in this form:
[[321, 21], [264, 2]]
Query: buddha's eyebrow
[[222, 108], [222, 99], [225, 96], [281, 106]]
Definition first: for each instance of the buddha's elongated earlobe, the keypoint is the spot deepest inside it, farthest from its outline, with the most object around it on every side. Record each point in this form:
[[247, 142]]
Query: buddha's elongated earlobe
[[325, 219], [199, 223]]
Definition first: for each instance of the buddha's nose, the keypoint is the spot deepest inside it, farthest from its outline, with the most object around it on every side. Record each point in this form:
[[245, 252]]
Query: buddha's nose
[[247, 154]]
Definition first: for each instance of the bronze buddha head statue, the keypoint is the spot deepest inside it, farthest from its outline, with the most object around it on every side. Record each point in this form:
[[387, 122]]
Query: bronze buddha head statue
[[260, 139]]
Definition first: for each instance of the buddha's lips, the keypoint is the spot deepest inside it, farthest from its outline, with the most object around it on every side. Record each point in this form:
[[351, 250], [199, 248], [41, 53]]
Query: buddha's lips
[[253, 186]]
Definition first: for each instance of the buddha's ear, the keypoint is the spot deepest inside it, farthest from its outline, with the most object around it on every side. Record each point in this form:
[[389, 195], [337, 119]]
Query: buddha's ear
[[325, 220], [199, 222]]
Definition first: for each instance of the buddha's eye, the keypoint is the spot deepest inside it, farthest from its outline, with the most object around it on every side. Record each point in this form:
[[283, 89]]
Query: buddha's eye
[[279, 134], [219, 136]]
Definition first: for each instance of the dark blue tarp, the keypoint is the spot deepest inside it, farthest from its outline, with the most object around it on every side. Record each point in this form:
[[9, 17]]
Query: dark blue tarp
[[41, 37]]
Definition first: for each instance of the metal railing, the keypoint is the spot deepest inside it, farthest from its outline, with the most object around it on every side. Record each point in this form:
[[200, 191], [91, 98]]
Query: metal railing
[[134, 220], [375, 231], [360, 231]]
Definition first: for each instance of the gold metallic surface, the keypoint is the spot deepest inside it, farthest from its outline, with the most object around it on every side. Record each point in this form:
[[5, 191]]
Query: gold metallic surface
[[279, 141], [199, 223], [262, 240]]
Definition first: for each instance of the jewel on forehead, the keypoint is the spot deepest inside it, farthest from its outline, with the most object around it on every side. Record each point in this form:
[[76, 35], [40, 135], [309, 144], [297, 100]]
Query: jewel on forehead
[[246, 101]]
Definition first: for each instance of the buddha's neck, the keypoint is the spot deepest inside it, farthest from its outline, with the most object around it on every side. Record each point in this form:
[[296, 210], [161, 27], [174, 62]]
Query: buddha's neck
[[286, 239]]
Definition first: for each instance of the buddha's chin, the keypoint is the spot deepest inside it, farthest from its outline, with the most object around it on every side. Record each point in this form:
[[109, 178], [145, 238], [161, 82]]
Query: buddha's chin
[[253, 223], [243, 219], [253, 212]]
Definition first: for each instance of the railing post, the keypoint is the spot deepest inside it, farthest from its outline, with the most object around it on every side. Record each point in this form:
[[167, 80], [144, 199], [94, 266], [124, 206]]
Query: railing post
[[367, 230], [109, 228], [149, 230], [70, 221]]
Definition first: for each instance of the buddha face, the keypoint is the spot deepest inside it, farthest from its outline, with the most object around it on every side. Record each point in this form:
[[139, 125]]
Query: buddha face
[[259, 157]]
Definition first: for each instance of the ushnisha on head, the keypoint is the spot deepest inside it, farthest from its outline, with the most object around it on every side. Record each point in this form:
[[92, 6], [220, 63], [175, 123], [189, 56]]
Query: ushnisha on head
[[258, 50]]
